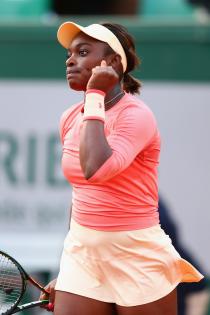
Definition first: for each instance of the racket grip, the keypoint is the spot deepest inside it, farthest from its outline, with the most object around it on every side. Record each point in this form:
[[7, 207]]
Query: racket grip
[[50, 307]]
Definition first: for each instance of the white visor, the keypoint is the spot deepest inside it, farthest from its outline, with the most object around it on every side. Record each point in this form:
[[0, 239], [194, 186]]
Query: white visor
[[68, 30]]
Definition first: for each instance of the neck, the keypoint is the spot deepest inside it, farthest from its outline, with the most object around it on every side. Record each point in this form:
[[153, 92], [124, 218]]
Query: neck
[[113, 95]]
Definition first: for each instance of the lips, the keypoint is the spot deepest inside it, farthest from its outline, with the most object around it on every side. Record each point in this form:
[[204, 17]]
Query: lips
[[71, 73]]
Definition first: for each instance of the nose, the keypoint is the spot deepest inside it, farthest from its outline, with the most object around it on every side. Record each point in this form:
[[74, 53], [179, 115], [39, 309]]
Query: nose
[[70, 61]]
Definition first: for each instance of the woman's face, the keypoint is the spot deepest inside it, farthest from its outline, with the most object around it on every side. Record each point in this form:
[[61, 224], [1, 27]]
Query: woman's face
[[84, 54]]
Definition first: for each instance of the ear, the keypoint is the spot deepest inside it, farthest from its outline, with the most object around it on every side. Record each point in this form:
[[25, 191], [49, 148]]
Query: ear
[[114, 60]]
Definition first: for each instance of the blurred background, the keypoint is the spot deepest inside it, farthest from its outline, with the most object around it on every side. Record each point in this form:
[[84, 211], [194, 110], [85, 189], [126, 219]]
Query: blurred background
[[173, 41]]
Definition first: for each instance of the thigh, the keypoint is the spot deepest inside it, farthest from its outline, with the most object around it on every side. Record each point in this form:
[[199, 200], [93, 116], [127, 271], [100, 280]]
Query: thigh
[[73, 304], [165, 306]]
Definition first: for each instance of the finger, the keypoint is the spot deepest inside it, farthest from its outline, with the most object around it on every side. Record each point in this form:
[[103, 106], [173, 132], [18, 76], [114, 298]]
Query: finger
[[97, 67], [94, 70], [103, 63], [43, 296]]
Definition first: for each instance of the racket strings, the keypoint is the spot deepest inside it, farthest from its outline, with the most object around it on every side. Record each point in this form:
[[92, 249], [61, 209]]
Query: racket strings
[[11, 284]]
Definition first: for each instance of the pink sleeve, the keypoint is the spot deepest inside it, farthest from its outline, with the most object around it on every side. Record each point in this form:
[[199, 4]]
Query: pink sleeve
[[135, 128]]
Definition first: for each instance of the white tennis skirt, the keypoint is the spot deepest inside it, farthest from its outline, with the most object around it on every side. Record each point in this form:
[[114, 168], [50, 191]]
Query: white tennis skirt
[[124, 267]]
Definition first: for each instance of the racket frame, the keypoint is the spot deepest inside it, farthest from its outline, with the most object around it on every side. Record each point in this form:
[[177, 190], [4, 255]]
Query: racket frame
[[25, 277]]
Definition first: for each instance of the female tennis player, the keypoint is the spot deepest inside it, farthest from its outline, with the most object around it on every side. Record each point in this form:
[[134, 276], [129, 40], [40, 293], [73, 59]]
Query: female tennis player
[[116, 258]]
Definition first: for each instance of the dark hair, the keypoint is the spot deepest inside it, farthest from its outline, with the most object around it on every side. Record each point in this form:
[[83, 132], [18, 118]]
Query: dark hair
[[130, 84]]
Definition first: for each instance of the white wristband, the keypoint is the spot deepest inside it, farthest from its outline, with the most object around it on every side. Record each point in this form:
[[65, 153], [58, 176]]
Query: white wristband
[[94, 105]]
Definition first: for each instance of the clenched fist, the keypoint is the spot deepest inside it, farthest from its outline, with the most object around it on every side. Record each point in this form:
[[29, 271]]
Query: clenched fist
[[103, 78]]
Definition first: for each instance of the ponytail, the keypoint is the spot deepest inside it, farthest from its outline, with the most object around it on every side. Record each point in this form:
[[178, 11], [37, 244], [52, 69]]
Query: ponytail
[[130, 84]]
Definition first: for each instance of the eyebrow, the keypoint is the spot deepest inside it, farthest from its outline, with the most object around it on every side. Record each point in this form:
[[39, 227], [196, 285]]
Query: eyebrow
[[81, 44]]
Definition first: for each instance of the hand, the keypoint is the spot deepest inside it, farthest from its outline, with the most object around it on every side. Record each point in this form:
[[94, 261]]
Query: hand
[[103, 78], [50, 287]]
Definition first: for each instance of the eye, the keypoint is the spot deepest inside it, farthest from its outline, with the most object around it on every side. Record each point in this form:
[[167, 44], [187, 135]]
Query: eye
[[83, 52], [68, 56]]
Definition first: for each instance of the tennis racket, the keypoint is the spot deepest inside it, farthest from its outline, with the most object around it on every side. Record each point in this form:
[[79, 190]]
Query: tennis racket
[[13, 283]]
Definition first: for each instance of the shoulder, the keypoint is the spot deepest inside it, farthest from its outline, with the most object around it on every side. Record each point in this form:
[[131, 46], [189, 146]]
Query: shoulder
[[71, 112], [133, 107]]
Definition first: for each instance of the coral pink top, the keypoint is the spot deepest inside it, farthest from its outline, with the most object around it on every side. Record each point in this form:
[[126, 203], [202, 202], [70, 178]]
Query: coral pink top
[[123, 193]]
